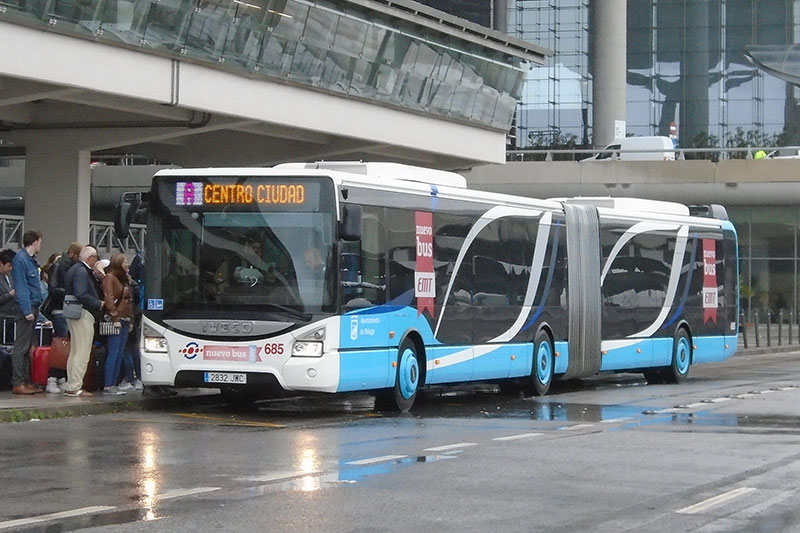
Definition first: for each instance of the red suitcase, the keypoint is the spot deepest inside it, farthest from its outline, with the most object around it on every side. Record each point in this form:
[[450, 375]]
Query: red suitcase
[[40, 364]]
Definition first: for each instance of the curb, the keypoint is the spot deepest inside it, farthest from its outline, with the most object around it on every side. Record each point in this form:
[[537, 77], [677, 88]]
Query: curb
[[754, 350], [50, 412]]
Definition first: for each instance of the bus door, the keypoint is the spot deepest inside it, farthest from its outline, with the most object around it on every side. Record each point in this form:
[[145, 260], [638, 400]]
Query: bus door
[[584, 268]]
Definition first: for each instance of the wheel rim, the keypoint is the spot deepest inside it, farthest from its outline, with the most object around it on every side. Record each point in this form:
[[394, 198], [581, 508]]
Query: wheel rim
[[409, 373], [544, 363], [682, 356]]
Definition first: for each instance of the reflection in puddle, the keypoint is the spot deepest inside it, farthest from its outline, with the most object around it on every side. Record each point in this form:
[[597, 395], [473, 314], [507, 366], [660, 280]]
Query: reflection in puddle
[[148, 483], [347, 474]]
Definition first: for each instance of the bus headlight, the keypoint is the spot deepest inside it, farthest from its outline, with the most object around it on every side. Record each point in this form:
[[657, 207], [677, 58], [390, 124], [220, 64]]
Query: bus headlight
[[154, 341], [307, 349]]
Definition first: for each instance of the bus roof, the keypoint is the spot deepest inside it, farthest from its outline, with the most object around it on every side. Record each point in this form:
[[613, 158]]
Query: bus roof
[[420, 180]]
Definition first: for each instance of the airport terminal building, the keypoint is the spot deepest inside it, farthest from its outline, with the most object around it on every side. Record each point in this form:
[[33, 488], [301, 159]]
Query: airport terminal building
[[720, 70]]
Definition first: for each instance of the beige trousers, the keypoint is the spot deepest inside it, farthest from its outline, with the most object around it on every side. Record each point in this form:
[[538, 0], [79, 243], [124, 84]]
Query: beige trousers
[[81, 335]]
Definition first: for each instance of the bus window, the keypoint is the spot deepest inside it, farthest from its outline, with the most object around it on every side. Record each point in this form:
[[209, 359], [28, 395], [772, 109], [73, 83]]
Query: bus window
[[362, 263], [635, 286]]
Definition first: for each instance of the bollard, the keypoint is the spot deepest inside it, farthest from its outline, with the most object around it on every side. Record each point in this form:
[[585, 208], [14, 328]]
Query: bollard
[[743, 327], [755, 323], [769, 329], [780, 327]]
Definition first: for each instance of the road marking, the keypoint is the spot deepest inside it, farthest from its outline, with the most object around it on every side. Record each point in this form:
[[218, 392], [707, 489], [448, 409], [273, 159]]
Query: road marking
[[717, 400], [450, 447], [280, 476], [768, 391], [178, 493], [694, 405], [372, 460], [716, 500], [229, 422], [787, 388], [515, 437], [576, 426], [615, 420], [54, 516]]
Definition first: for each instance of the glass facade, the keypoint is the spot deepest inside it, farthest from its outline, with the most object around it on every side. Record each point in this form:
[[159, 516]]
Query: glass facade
[[685, 63], [769, 258], [333, 46]]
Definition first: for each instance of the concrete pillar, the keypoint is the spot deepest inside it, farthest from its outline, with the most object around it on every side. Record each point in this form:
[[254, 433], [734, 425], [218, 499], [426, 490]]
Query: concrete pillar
[[500, 12], [609, 58], [694, 115], [57, 192]]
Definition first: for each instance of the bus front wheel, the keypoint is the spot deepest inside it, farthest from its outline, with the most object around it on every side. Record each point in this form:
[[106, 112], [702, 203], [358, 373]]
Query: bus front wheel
[[406, 384]]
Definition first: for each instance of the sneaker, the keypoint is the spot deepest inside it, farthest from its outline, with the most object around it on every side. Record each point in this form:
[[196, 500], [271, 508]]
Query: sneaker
[[76, 393], [52, 386], [62, 384], [125, 386], [138, 385], [114, 391]]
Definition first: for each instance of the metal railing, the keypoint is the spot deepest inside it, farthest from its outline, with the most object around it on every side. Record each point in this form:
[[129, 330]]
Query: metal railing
[[712, 154], [764, 328], [11, 229], [104, 239], [101, 235]]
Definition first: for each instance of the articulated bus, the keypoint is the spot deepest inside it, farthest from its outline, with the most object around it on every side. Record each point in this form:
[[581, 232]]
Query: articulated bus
[[387, 278]]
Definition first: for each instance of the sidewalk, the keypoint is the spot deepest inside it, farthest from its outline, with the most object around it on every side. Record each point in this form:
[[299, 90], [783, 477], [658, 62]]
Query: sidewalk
[[20, 408]]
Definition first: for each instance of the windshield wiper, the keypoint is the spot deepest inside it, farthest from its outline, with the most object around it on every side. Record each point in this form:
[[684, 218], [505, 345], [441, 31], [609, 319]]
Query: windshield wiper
[[294, 312], [363, 285]]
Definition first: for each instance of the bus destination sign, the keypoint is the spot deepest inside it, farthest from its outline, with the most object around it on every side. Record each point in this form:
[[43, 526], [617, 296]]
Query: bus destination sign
[[190, 193]]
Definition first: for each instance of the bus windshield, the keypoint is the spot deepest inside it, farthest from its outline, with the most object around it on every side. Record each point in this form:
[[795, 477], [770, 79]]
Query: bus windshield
[[242, 260]]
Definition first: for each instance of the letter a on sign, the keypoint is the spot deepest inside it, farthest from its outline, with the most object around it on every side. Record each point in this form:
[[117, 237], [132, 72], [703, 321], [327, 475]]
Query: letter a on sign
[[424, 280]]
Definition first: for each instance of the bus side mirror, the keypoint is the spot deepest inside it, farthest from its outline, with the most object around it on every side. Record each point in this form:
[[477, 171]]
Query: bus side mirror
[[129, 209], [350, 226]]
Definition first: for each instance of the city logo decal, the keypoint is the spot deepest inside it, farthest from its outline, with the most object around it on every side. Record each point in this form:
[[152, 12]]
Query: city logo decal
[[191, 350]]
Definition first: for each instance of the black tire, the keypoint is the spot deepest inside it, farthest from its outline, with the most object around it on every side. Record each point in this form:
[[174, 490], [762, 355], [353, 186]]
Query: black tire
[[239, 398], [407, 381], [654, 376], [510, 387], [678, 371], [543, 364]]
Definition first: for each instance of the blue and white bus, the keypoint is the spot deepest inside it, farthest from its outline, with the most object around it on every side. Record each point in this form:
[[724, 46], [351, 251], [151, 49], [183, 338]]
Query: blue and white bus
[[387, 278]]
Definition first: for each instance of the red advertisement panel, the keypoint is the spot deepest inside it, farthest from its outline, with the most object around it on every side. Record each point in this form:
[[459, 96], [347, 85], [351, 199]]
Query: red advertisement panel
[[424, 276], [710, 296]]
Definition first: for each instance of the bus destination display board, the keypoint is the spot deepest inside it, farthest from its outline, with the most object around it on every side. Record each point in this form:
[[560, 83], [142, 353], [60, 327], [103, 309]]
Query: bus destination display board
[[254, 193]]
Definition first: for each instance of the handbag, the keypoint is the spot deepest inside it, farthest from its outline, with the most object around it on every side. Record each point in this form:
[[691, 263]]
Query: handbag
[[59, 352], [72, 308], [108, 327]]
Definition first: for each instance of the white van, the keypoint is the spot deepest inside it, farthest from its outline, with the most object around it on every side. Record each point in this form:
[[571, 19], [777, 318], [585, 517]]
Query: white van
[[654, 148]]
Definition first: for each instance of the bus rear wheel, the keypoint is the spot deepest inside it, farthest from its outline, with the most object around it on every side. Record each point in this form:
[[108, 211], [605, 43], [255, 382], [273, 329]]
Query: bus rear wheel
[[401, 397], [543, 364], [678, 371]]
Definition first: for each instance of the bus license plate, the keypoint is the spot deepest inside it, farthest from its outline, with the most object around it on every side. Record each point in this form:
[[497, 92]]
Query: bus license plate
[[228, 378]]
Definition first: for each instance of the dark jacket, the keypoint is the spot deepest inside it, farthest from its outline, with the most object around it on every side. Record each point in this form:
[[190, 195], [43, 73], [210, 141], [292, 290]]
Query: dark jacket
[[80, 283], [25, 273], [57, 283], [8, 305]]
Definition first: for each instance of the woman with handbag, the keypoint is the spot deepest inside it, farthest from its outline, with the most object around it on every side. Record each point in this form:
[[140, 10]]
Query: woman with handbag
[[116, 323]]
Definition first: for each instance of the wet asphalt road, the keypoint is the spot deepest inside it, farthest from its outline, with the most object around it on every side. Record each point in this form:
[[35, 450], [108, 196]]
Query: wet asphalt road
[[718, 453]]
